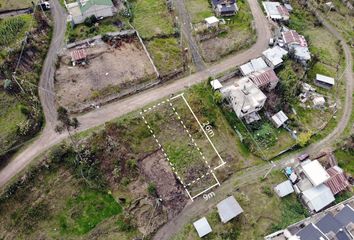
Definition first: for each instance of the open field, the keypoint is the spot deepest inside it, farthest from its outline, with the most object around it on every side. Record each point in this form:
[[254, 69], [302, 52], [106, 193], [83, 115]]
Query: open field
[[14, 4], [264, 212], [109, 71], [151, 18], [199, 10], [238, 34], [166, 54]]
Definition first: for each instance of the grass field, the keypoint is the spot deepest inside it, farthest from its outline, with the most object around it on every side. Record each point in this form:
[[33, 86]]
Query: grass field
[[151, 18], [10, 118], [166, 53], [14, 4], [199, 10], [264, 212]]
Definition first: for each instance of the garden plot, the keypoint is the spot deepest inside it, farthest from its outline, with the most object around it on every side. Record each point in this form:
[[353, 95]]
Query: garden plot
[[108, 71], [185, 143]]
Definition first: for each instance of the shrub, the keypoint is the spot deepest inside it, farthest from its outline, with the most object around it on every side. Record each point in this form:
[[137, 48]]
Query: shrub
[[90, 21], [152, 190]]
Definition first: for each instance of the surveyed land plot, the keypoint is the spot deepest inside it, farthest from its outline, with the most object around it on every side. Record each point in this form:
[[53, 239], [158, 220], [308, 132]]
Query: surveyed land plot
[[186, 144]]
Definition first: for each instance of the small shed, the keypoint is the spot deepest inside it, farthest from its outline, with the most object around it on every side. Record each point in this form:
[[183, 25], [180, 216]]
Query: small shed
[[228, 209], [319, 101], [283, 189], [212, 21], [78, 55], [324, 81], [279, 119], [202, 226], [215, 84]]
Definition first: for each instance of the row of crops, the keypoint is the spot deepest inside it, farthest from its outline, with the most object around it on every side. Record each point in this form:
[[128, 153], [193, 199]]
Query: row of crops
[[12, 29]]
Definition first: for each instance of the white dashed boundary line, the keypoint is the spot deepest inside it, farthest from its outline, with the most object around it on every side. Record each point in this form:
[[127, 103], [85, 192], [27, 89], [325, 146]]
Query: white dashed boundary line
[[210, 171]]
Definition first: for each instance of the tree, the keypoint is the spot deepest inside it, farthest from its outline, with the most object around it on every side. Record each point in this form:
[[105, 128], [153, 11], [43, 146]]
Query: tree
[[218, 97], [11, 87], [304, 138]]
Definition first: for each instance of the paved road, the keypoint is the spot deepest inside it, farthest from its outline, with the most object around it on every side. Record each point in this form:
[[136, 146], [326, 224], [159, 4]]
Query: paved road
[[187, 32], [201, 207]]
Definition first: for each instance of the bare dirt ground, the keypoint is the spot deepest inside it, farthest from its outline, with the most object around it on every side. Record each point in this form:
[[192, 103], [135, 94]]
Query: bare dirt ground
[[215, 48], [108, 71], [150, 214]]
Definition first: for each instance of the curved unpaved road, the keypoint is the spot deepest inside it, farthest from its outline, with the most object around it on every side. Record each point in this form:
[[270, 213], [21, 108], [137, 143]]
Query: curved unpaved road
[[201, 207], [49, 138]]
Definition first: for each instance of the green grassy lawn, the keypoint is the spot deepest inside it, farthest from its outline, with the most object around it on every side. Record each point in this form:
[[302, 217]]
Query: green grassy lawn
[[14, 4], [199, 10], [10, 118], [166, 54], [264, 212], [151, 18], [81, 31], [345, 160]]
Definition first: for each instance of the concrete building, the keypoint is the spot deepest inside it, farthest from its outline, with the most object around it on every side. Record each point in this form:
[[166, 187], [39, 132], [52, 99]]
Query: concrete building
[[276, 11], [82, 9], [245, 98], [274, 56]]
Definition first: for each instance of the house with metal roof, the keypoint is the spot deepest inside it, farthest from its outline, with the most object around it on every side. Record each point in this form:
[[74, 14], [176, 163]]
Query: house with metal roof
[[284, 189], [212, 21], [202, 226], [228, 209], [315, 172], [224, 7], [252, 66], [265, 79], [274, 56], [337, 181], [297, 43], [317, 198], [82, 9]]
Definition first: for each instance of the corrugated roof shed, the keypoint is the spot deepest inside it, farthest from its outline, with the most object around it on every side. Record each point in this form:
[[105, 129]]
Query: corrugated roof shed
[[264, 77], [78, 54], [228, 209], [283, 189], [279, 118], [202, 226], [337, 182], [325, 79]]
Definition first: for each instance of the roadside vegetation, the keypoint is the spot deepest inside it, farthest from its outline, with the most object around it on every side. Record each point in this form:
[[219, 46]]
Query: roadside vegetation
[[14, 4], [21, 114], [264, 213]]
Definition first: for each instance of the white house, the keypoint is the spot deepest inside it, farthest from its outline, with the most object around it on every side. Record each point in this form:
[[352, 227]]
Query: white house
[[246, 99], [228, 209], [283, 189], [82, 9], [274, 56], [317, 198]]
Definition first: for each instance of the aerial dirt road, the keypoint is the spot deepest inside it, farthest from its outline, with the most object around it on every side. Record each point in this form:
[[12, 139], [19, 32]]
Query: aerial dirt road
[[49, 138]]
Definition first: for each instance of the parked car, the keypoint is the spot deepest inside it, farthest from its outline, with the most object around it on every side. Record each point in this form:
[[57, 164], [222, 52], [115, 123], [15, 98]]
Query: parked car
[[303, 157]]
